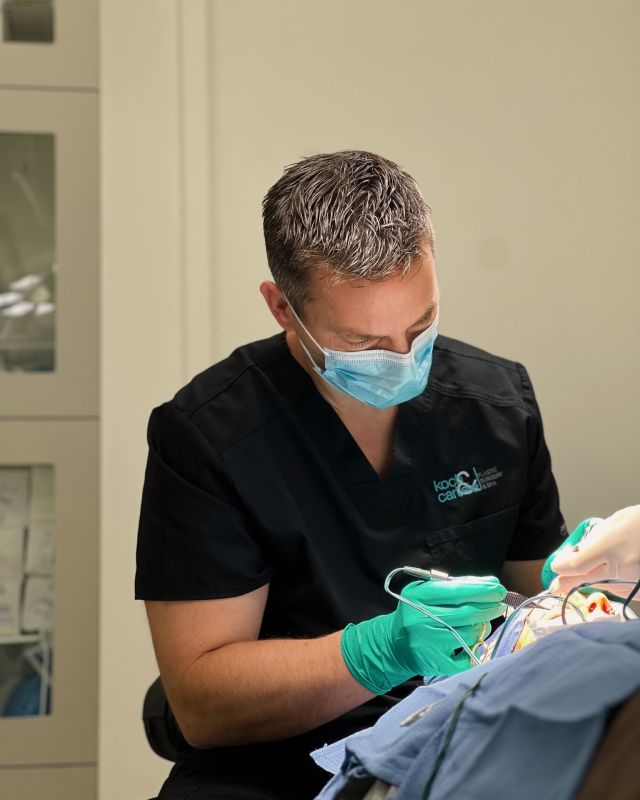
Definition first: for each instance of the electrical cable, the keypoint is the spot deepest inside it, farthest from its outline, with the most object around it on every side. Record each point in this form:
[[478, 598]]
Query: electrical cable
[[535, 599], [427, 575], [630, 597], [453, 723], [587, 584]]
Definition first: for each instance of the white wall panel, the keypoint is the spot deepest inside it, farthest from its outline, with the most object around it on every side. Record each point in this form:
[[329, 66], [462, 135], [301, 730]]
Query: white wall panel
[[142, 351]]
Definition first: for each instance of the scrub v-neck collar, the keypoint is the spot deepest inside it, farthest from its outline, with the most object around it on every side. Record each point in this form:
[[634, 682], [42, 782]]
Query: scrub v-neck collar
[[333, 438]]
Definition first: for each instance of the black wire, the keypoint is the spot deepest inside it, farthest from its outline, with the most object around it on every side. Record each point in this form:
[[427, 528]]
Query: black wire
[[566, 599], [510, 620], [449, 735], [598, 583], [630, 597]]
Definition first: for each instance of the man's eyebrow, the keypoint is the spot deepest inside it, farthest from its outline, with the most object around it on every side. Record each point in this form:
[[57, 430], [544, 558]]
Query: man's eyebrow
[[358, 335], [432, 307]]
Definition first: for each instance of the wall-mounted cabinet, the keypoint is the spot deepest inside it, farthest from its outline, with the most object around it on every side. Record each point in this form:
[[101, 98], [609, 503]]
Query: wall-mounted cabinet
[[49, 390], [48, 253], [49, 43]]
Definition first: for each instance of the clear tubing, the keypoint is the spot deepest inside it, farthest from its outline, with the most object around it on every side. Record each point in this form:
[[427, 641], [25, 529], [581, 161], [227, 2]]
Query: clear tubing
[[536, 598], [427, 575]]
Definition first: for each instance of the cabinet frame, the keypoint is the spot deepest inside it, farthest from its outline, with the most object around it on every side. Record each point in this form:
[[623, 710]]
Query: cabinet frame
[[70, 60], [69, 733]]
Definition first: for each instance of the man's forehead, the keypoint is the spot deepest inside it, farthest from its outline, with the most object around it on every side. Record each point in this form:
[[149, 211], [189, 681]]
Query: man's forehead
[[363, 308], [325, 277]]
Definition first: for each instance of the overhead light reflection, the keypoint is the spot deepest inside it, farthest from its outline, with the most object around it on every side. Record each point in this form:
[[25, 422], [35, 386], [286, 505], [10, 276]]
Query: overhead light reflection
[[18, 309], [9, 298], [44, 308]]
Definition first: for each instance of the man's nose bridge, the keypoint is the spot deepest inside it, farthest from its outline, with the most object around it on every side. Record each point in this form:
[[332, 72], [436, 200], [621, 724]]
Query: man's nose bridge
[[400, 344]]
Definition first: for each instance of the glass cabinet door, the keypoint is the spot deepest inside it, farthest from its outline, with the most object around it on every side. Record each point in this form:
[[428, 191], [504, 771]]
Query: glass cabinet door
[[49, 43], [27, 523], [48, 254], [27, 252], [26, 20], [48, 592]]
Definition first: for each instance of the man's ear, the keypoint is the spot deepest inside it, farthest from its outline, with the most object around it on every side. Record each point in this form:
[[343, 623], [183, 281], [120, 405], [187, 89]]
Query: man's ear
[[277, 304]]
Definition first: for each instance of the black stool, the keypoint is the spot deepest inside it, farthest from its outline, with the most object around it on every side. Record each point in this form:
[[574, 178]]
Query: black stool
[[163, 734]]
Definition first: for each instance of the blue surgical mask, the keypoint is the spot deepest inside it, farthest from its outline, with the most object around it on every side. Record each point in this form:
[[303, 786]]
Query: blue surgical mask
[[379, 378]]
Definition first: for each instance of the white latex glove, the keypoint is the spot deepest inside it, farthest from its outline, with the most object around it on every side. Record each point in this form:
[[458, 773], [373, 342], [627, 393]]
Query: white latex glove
[[611, 549]]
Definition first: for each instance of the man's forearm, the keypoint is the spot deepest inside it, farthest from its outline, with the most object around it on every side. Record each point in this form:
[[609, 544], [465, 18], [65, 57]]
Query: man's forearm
[[264, 690], [523, 576]]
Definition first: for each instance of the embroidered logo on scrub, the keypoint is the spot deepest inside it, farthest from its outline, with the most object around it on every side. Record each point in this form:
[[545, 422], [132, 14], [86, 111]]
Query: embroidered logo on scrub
[[464, 483]]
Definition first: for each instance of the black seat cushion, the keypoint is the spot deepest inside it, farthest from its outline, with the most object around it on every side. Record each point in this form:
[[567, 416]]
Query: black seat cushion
[[163, 733]]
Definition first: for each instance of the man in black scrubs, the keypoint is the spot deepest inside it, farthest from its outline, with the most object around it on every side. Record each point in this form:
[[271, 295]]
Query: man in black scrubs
[[284, 483]]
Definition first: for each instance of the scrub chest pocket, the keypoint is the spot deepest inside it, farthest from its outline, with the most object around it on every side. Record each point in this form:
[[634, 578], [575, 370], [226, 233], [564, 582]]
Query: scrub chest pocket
[[483, 542]]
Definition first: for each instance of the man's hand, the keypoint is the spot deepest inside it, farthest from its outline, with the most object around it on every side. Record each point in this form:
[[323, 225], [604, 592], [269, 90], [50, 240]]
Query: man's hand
[[389, 649], [226, 687]]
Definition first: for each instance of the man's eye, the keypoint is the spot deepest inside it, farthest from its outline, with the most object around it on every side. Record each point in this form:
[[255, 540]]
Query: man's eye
[[366, 342]]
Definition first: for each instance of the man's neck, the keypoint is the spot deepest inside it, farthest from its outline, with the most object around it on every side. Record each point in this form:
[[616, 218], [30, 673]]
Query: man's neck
[[347, 407], [371, 428]]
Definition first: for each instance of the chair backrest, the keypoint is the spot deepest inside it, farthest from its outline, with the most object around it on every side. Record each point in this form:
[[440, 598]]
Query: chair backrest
[[163, 733]]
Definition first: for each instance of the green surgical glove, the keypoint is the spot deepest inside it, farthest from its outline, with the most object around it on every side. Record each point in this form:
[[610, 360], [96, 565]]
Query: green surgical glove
[[385, 651], [547, 574]]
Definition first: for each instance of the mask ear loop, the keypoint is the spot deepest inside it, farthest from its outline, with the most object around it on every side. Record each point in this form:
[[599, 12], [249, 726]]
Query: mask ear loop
[[309, 334], [304, 328]]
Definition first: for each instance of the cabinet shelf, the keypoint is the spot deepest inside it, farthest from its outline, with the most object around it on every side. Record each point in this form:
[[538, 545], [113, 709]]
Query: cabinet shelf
[[21, 638]]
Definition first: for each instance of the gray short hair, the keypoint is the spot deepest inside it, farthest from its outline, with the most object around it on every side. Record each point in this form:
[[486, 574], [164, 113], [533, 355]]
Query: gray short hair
[[359, 214]]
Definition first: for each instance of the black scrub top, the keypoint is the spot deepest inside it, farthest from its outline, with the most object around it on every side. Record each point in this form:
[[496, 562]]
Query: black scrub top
[[252, 478]]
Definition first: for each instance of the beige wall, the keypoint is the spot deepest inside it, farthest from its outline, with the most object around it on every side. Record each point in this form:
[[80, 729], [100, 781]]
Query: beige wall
[[520, 121], [142, 352]]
